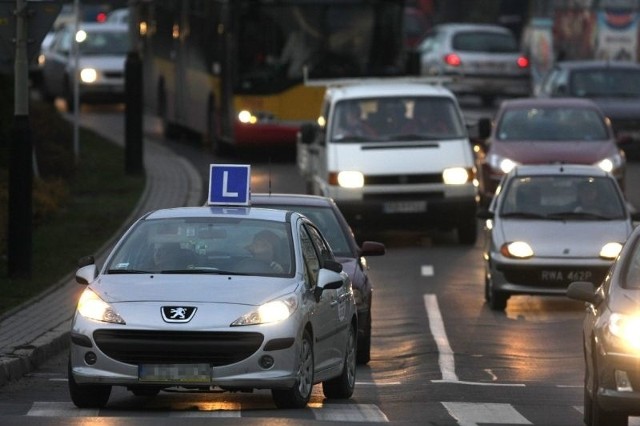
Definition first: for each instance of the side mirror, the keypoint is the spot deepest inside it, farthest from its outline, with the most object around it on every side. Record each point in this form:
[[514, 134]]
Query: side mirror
[[308, 133], [584, 291], [327, 280], [372, 248], [484, 128], [86, 274]]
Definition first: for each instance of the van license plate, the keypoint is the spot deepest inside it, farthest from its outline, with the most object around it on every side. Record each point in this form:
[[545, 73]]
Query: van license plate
[[404, 207], [185, 373]]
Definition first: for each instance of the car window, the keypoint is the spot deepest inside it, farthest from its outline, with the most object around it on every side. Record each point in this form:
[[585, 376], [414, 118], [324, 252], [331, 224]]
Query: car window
[[310, 257], [207, 245], [562, 196], [552, 124], [605, 82], [105, 43], [484, 41]]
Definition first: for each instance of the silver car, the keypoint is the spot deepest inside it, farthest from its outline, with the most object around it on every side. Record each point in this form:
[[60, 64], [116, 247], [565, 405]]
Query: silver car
[[482, 59], [549, 225], [236, 298], [101, 59]]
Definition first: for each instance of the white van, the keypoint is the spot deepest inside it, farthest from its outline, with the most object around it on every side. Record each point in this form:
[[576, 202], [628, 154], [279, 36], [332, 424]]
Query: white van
[[393, 153]]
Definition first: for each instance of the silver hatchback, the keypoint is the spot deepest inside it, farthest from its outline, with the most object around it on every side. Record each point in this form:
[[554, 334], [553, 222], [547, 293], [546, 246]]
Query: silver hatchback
[[482, 60]]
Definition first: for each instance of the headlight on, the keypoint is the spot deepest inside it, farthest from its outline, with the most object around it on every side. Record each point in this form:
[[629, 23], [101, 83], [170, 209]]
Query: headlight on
[[502, 164], [246, 117], [351, 179], [610, 164], [626, 328], [455, 176], [274, 311], [610, 250], [93, 307], [88, 75], [517, 249]]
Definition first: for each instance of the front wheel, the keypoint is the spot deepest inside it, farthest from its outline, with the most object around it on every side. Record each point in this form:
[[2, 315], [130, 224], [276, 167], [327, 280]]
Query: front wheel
[[496, 300], [298, 396], [87, 396], [342, 387]]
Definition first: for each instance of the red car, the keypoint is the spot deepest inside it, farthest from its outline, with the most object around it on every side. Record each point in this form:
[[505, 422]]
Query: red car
[[545, 131]]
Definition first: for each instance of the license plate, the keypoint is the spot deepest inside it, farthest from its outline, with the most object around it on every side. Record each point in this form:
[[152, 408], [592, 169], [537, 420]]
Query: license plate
[[569, 276], [404, 207], [187, 373]]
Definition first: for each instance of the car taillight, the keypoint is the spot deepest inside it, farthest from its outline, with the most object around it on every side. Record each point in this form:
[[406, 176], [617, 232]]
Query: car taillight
[[523, 62], [452, 59]]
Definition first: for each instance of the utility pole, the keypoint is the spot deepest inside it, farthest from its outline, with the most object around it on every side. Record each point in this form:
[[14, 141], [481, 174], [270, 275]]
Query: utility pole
[[133, 118], [21, 167]]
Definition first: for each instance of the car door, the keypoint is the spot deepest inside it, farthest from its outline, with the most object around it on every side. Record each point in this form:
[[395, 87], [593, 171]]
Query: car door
[[323, 317]]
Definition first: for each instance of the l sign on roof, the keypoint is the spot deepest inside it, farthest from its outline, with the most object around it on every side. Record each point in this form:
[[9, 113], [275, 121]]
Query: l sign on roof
[[229, 184]]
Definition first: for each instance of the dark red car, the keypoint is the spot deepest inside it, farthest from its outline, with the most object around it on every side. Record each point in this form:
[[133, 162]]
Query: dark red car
[[545, 131]]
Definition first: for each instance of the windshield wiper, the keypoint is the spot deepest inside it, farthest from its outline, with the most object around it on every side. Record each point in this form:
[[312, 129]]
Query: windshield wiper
[[524, 215], [128, 271]]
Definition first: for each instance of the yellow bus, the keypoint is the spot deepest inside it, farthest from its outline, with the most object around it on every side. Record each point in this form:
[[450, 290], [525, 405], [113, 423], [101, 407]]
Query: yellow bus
[[233, 71]]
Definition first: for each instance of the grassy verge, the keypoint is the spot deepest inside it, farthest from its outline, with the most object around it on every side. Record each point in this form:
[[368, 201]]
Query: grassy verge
[[98, 198]]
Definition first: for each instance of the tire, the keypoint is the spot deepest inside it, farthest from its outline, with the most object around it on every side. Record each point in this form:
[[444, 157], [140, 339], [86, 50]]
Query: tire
[[600, 417], [363, 355], [87, 396], [496, 300], [298, 396], [468, 231], [342, 387]]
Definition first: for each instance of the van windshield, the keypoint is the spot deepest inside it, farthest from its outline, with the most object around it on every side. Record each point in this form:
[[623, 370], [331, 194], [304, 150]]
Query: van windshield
[[397, 119]]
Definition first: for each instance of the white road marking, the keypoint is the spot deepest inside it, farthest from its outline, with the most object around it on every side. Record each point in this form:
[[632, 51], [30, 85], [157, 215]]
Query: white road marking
[[60, 409], [436, 325], [472, 414], [426, 270], [348, 412]]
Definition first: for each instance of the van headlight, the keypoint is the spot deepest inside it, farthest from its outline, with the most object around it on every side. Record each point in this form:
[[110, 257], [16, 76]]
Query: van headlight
[[88, 75], [455, 176], [350, 179]]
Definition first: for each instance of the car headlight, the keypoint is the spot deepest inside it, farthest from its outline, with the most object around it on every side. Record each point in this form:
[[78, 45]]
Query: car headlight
[[502, 164], [93, 307], [610, 164], [626, 330], [274, 311], [455, 176], [517, 249], [610, 250], [88, 75], [351, 179]]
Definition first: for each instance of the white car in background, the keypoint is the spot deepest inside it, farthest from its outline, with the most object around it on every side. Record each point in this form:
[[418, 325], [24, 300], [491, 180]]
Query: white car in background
[[103, 50]]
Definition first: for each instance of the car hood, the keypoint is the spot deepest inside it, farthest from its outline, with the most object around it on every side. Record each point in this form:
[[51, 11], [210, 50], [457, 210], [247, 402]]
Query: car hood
[[617, 108], [103, 62], [191, 288], [624, 301], [541, 152], [556, 238]]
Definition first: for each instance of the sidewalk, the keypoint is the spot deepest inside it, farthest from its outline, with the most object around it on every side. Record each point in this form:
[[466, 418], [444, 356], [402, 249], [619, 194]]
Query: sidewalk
[[32, 333]]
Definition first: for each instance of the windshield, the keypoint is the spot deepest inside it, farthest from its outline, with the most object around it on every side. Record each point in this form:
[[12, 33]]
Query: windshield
[[397, 119], [105, 43], [605, 82], [552, 124], [563, 197], [276, 40], [325, 219], [206, 245]]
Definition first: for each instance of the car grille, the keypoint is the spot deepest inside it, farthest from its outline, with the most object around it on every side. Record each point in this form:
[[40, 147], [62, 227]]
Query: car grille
[[555, 278], [403, 179], [177, 347], [408, 196]]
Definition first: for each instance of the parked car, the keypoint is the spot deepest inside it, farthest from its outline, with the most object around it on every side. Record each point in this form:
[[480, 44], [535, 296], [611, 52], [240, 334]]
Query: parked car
[[611, 337], [550, 225], [484, 60], [326, 215], [392, 154], [201, 297], [542, 131], [613, 85], [102, 53]]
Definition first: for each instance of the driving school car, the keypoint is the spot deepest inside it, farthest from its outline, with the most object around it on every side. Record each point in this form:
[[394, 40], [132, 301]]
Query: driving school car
[[209, 313]]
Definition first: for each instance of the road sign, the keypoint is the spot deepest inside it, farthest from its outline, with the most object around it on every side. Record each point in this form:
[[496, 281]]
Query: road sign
[[40, 16], [229, 184]]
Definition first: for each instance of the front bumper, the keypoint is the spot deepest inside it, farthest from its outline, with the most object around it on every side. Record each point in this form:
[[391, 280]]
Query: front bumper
[[611, 399]]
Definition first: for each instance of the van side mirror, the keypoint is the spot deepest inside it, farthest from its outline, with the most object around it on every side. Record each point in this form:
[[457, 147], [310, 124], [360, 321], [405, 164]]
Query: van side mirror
[[308, 133]]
